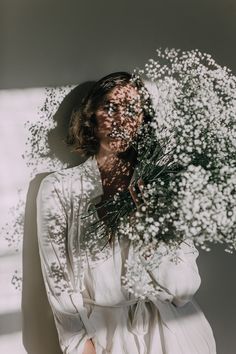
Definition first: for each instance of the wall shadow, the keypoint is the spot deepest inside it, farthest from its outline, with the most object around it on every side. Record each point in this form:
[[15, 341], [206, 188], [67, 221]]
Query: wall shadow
[[38, 327]]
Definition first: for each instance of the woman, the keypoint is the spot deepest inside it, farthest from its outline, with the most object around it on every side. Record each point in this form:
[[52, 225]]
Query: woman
[[82, 272]]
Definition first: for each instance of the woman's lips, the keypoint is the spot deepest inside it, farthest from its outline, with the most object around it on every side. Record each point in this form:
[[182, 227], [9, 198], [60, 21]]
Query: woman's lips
[[118, 135]]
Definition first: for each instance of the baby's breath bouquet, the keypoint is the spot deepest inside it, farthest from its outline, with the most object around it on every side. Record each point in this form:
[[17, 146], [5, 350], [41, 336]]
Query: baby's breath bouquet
[[195, 125], [184, 186]]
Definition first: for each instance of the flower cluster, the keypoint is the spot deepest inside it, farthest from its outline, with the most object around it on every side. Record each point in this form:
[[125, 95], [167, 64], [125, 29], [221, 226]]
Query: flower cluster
[[207, 209], [194, 108], [186, 158]]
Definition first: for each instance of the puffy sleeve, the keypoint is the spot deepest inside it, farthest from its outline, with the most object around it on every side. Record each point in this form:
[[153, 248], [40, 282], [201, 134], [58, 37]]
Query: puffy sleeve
[[65, 300], [179, 279]]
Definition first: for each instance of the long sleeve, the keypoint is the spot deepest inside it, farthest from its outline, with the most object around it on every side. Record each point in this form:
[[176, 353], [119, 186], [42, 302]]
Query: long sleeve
[[65, 300], [181, 280]]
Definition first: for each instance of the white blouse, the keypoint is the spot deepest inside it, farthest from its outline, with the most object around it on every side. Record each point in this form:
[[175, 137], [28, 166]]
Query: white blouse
[[83, 279]]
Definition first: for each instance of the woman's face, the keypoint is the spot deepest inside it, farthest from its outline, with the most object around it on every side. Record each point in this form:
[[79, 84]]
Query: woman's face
[[118, 119]]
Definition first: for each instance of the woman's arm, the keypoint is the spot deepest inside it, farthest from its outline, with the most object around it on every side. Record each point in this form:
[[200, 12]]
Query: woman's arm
[[89, 347], [65, 301], [181, 279]]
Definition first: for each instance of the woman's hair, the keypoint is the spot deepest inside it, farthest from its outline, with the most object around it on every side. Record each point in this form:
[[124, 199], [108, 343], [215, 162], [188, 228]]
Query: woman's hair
[[82, 128]]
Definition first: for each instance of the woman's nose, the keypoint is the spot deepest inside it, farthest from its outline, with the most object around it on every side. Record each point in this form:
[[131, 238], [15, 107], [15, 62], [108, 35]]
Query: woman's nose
[[122, 119], [120, 116]]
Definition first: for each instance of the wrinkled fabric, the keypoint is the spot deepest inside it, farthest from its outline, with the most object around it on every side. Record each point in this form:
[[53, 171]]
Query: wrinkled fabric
[[83, 279]]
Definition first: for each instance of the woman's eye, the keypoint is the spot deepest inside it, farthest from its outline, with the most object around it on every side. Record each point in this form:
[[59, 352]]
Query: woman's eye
[[132, 111], [110, 108]]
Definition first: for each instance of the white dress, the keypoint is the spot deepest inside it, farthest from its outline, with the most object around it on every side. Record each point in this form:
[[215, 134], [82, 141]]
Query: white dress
[[84, 287]]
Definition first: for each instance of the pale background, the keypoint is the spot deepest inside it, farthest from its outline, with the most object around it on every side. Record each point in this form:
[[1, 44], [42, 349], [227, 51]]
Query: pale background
[[47, 43]]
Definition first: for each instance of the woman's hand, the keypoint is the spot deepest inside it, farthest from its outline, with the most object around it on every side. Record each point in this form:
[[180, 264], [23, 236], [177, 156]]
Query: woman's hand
[[89, 347], [138, 200]]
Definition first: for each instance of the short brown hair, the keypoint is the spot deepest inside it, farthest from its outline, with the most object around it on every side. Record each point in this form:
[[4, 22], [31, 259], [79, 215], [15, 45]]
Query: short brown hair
[[81, 134]]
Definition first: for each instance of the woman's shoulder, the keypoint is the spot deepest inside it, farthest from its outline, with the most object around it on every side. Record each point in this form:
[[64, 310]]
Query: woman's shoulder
[[66, 175], [65, 182], [74, 183]]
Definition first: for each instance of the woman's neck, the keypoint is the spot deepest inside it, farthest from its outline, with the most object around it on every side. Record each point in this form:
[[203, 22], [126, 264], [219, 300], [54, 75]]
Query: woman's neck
[[116, 170]]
